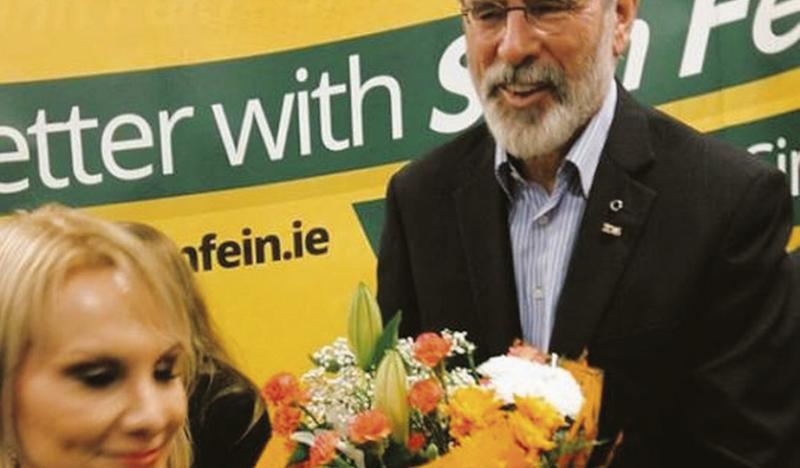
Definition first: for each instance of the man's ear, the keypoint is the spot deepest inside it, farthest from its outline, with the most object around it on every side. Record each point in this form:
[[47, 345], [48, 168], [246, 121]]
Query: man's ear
[[624, 14]]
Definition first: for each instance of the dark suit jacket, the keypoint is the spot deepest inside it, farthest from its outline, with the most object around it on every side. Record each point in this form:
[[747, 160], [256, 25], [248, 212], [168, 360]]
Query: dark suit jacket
[[685, 311]]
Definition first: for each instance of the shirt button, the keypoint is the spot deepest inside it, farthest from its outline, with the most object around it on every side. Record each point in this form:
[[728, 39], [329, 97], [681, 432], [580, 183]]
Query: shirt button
[[543, 220], [538, 293]]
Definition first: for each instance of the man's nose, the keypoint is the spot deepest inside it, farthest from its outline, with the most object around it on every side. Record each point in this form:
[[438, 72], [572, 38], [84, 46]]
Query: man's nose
[[520, 41]]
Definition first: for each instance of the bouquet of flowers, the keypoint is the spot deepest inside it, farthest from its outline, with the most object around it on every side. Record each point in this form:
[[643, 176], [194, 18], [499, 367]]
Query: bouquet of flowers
[[376, 400]]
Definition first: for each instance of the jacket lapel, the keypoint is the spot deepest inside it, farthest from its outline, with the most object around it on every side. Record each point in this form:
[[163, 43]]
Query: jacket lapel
[[608, 232], [481, 210]]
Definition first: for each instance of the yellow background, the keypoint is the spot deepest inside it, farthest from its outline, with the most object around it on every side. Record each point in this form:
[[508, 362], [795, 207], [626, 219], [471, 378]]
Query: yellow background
[[43, 39], [273, 315]]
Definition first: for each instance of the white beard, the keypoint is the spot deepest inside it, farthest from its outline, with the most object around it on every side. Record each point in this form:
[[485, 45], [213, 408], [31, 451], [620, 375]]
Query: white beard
[[531, 133]]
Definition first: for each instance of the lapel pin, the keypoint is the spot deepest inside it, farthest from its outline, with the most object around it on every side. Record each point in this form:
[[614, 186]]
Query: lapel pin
[[611, 229], [616, 205]]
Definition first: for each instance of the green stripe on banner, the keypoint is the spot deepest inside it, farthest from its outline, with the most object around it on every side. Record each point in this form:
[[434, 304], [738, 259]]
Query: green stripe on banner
[[280, 117], [370, 216], [693, 47], [183, 126]]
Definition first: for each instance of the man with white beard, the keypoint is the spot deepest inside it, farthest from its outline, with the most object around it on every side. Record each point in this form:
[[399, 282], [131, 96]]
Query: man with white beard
[[583, 222]]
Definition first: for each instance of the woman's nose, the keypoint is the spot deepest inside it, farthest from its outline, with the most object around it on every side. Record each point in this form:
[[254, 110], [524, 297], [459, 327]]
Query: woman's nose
[[149, 410]]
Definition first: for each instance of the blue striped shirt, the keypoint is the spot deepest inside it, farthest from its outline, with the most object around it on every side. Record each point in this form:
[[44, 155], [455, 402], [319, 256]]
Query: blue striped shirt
[[543, 226]]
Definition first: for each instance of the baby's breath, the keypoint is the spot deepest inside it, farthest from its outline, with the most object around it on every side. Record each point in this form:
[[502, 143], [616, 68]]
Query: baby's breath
[[338, 395], [459, 344], [460, 377], [334, 356], [338, 389]]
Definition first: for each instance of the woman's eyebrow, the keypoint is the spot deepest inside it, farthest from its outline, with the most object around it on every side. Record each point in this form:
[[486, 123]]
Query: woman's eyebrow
[[95, 361], [174, 349], [88, 356]]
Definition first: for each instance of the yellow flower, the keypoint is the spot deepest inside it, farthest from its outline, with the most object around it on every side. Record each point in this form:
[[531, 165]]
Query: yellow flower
[[540, 413], [529, 435], [491, 447], [533, 424], [472, 408]]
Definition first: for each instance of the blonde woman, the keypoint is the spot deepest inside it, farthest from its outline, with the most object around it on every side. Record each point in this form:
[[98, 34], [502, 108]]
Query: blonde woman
[[95, 347], [228, 420]]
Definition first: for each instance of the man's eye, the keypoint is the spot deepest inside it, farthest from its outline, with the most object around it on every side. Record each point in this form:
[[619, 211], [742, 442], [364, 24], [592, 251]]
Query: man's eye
[[165, 369], [488, 12], [96, 375], [548, 7]]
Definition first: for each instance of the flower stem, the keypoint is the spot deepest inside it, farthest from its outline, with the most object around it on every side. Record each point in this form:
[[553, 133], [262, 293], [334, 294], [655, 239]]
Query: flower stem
[[310, 415]]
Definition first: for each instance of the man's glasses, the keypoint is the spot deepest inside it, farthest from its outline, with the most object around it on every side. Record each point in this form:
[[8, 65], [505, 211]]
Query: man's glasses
[[547, 15]]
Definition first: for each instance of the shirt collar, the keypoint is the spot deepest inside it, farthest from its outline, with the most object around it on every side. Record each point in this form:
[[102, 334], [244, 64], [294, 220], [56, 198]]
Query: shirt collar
[[584, 154]]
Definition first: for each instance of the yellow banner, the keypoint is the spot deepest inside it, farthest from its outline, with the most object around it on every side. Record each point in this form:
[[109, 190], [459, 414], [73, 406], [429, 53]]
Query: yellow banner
[[44, 39]]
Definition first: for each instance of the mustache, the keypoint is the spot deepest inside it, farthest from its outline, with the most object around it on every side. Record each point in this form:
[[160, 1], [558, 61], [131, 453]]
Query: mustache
[[528, 74]]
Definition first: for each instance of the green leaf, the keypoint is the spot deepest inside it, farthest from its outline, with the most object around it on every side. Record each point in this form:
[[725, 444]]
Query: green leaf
[[388, 339], [397, 456], [299, 455], [338, 462], [431, 452]]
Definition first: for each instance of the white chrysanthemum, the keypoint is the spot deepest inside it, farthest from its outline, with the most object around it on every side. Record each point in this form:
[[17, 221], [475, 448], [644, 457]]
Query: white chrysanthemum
[[511, 376]]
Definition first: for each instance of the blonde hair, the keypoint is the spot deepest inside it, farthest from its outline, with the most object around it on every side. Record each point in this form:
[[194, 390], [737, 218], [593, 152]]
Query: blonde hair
[[210, 353], [38, 250]]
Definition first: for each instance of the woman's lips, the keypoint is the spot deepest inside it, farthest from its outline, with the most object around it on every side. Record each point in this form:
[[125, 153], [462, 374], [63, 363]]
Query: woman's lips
[[142, 459]]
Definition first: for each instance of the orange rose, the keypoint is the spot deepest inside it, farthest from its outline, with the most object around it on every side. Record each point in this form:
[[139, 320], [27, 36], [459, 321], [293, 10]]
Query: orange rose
[[369, 426], [416, 440], [430, 349], [323, 450], [285, 419], [425, 395], [282, 388], [527, 352]]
